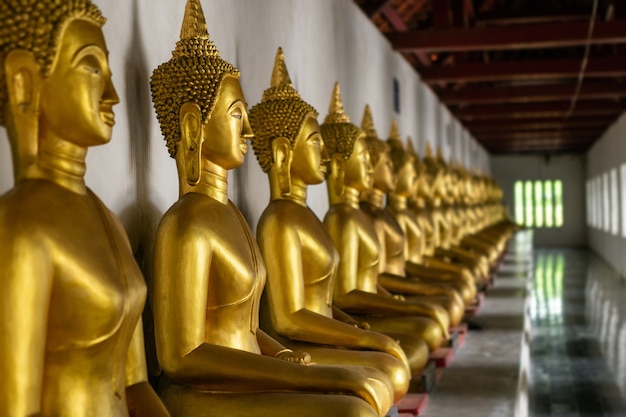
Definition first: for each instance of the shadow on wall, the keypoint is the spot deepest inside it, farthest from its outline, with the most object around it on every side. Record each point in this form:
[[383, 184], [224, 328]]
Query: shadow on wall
[[141, 215]]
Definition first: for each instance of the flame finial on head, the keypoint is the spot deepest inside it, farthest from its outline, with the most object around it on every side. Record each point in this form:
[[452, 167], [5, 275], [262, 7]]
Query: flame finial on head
[[367, 124], [336, 113], [194, 23], [394, 132], [429, 151], [280, 75]]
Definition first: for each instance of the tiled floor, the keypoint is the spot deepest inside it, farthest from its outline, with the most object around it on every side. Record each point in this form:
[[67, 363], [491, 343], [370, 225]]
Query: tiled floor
[[578, 345], [483, 378], [571, 341]]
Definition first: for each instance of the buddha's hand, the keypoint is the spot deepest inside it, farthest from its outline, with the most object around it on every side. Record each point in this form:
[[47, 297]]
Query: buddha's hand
[[363, 325], [288, 355]]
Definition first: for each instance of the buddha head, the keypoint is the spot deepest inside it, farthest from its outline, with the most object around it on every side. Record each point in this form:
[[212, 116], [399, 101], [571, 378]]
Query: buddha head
[[350, 164], [55, 80], [403, 167], [199, 102], [288, 143], [384, 178]]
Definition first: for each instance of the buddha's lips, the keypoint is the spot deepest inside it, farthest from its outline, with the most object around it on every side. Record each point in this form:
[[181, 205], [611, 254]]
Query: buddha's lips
[[108, 117], [243, 146]]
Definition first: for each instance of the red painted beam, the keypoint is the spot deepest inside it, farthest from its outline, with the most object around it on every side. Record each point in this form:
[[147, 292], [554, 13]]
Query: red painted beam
[[551, 35], [524, 70], [479, 126], [533, 93], [539, 110]]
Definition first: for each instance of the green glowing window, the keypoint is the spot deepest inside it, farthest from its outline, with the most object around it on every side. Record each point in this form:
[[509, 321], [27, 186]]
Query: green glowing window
[[539, 203]]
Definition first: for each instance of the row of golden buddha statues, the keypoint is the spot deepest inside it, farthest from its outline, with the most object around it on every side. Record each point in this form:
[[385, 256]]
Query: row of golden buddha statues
[[352, 305]]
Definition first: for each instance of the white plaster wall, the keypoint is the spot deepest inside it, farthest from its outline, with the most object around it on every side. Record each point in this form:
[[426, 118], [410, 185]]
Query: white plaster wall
[[324, 41], [568, 168], [607, 154]]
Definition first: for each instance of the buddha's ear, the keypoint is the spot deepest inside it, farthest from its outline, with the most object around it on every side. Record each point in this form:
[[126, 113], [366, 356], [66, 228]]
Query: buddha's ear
[[24, 81], [281, 151], [191, 141], [338, 173]]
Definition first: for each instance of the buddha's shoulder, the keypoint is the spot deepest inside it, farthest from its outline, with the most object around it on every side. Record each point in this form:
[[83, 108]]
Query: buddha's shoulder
[[345, 213], [285, 211], [194, 212], [31, 208]]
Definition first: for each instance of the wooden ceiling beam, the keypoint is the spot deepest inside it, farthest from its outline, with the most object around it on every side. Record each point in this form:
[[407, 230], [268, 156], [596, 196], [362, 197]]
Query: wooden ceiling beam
[[514, 134], [479, 126], [549, 35], [524, 70], [533, 15], [538, 110], [533, 93]]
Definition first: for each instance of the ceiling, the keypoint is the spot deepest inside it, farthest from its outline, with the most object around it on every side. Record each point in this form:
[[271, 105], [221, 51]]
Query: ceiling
[[523, 76]]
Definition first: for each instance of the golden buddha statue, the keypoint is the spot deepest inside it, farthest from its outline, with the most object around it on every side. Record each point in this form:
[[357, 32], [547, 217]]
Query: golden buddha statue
[[71, 338], [209, 273], [424, 263], [442, 223], [444, 290], [356, 286], [362, 293], [297, 305]]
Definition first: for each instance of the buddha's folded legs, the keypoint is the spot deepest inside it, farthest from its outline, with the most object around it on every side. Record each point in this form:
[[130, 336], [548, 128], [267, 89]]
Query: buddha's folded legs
[[183, 401]]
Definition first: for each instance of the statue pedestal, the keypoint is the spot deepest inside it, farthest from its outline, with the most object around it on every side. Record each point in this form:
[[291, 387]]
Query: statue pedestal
[[424, 382], [412, 404], [442, 356], [457, 336]]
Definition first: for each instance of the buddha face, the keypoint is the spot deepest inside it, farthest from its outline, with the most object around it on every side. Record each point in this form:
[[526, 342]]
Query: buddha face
[[77, 98], [308, 161], [384, 178], [227, 130], [359, 170], [406, 180]]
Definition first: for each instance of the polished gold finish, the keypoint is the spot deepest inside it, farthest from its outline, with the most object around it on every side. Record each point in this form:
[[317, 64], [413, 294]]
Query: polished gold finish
[[71, 341], [209, 273], [432, 285], [300, 256], [356, 286]]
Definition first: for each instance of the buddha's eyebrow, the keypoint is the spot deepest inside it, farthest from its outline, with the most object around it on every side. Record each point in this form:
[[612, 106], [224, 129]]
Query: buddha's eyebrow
[[89, 50], [245, 105]]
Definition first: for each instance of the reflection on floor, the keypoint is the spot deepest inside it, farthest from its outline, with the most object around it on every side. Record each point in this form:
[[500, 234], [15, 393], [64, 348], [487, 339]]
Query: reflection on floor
[[483, 379], [578, 344]]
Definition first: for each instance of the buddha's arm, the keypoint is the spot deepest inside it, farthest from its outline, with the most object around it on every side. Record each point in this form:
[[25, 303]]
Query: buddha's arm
[[141, 399], [26, 273], [286, 296], [403, 285], [271, 347]]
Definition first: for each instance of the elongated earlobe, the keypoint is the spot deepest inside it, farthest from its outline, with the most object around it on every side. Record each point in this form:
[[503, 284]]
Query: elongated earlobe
[[338, 172], [24, 82], [281, 149], [191, 141]]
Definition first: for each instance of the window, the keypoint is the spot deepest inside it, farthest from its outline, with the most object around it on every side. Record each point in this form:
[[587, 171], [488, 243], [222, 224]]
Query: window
[[599, 210], [606, 216], [623, 190], [539, 203], [614, 203]]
